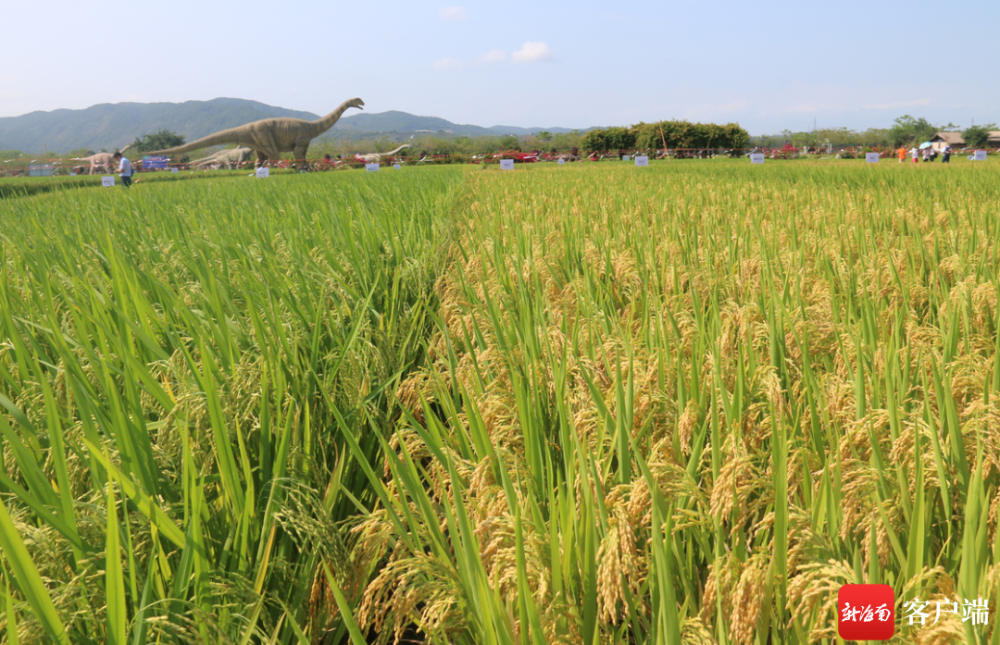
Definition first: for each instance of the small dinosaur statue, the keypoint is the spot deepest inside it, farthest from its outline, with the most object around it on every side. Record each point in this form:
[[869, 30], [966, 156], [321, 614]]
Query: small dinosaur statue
[[270, 137], [229, 158], [376, 157], [103, 160]]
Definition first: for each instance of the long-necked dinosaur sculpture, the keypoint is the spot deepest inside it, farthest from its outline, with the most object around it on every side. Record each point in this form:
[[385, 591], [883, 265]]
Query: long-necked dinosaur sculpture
[[230, 158], [270, 137], [376, 157], [104, 160]]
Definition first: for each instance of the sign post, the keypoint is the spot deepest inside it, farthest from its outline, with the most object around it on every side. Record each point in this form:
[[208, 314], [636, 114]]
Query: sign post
[[757, 157], [108, 181], [871, 157], [980, 155], [641, 161], [263, 173], [371, 167], [506, 164]]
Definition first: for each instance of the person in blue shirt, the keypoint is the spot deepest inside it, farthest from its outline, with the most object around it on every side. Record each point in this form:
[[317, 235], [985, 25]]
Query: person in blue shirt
[[124, 169]]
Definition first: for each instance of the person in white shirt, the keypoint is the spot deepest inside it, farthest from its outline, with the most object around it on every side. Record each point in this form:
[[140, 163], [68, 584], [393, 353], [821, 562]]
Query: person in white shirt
[[124, 169]]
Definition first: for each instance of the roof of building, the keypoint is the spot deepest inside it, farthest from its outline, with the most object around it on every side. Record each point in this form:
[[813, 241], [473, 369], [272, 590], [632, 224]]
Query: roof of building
[[952, 138], [994, 135]]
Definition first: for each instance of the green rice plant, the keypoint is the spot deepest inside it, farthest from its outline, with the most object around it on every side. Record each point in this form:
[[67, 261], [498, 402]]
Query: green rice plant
[[174, 362]]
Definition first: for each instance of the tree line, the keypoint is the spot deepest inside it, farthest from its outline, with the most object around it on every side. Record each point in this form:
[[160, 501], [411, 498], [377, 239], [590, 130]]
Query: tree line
[[905, 131]]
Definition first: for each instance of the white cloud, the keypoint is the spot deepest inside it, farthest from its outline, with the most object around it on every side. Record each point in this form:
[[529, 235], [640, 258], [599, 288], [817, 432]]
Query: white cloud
[[453, 14], [492, 56], [897, 104], [448, 65], [531, 52]]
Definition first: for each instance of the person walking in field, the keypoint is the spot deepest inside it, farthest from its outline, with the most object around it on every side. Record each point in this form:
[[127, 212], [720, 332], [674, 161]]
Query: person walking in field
[[915, 154], [901, 153], [946, 154], [124, 169]]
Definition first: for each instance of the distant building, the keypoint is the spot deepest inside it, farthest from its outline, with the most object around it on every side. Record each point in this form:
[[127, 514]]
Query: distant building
[[941, 140], [994, 140]]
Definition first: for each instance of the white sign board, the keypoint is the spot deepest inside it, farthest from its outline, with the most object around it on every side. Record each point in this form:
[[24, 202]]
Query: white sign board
[[506, 164], [561, 162], [371, 167], [641, 160], [624, 157], [173, 170], [757, 157], [72, 174], [395, 166], [871, 157], [107, 181], [980, 155], [264, 172]]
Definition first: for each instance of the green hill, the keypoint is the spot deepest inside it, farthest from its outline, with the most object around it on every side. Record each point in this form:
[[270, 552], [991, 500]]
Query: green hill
[[112, 125]]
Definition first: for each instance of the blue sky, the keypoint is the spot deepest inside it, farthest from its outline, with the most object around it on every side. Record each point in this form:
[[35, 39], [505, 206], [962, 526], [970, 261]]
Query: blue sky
[[770, 65]]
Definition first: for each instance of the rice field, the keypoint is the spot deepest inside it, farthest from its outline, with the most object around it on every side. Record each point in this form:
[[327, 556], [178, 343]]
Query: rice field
[[583, 404]]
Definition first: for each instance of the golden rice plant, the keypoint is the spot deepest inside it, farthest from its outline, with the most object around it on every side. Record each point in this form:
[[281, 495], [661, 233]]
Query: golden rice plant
[[687, 403]]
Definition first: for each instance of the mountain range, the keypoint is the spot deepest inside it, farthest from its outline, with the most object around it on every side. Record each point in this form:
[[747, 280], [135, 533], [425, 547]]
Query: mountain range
[[112, 125]]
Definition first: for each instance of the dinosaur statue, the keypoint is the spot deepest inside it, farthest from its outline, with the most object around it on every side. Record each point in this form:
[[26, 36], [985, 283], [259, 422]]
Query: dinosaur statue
[[103, 160], [231, 158], [376, 157], [270, 137]]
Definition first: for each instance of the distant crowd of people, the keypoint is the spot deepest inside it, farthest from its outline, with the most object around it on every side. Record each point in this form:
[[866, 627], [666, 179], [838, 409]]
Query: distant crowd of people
[[928, 154]]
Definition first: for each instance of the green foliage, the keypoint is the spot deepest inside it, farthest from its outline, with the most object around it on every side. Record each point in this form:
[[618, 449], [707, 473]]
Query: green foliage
[[976, 136], [907, 130], [11, 187], [666, 134], [510, 142], [824, 136], [174, 461], [440, 144], [160, 140], [614, 138]]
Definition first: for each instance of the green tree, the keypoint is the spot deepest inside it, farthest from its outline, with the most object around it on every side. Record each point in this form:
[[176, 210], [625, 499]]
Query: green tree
[[162, 139], [976, 136], [510, 142], [544, 135], [909, 130]]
